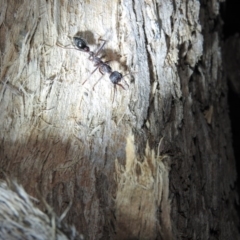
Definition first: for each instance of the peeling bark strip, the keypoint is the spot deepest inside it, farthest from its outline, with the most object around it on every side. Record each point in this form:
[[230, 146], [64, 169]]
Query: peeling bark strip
[[20, 219], [76, 145], [142, 199]]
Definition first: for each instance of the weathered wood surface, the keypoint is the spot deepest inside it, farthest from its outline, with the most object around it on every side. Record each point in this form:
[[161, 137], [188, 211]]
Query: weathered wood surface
[[21, 219], [157, 163]]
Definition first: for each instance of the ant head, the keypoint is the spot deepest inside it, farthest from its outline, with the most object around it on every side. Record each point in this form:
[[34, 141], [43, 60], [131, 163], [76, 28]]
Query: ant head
[[81, 44]]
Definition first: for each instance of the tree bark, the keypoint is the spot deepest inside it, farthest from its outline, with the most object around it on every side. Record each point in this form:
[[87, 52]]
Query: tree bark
[[155, 163]]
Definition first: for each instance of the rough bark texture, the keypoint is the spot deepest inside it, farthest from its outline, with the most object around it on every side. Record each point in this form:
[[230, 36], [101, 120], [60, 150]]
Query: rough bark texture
[[156, 163], [20, 219]]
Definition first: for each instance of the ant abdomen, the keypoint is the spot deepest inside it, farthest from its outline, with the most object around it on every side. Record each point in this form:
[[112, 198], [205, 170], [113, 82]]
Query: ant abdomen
[[115, 77]]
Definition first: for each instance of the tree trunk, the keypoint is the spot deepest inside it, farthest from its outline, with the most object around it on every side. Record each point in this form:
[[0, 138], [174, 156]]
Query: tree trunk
[[154, 161]]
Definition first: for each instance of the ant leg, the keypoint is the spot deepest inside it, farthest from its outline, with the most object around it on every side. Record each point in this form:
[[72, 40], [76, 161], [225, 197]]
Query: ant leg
[[121, 85], [91, 74], [114, 90], [100, 49], [125, 82], [126, 75], [97, 81]]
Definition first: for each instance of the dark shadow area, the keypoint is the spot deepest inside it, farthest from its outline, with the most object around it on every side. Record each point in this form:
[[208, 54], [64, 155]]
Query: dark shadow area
[[47, 174], [234, 106], [230, 11]]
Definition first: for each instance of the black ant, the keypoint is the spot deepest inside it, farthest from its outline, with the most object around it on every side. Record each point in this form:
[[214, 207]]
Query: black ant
[[103, 67]]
